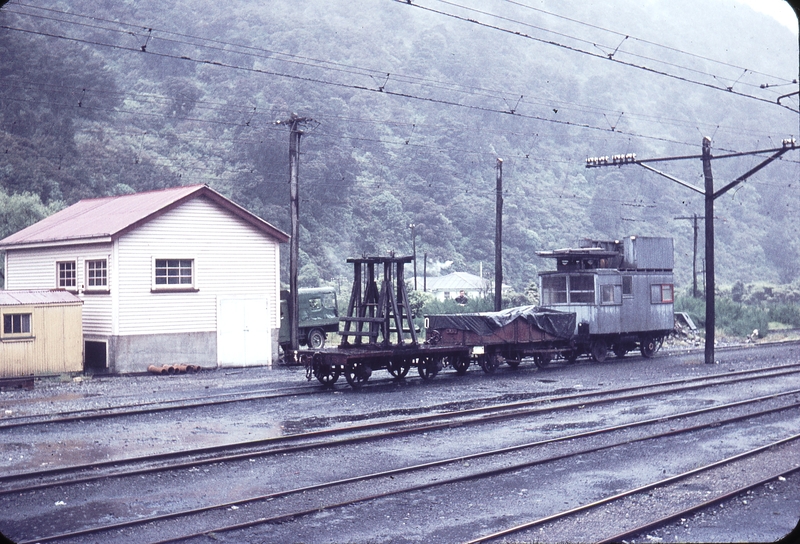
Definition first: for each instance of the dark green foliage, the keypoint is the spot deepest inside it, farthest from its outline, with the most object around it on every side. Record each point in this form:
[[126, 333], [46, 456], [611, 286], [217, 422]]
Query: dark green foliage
[[787, 314], [473, 305]]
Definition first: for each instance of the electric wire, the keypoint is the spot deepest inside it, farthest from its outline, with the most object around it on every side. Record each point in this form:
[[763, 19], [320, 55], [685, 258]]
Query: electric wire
[[728, 89]]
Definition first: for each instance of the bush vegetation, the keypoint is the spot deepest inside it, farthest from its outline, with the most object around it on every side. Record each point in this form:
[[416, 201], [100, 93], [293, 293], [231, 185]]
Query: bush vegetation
[[743, 309]]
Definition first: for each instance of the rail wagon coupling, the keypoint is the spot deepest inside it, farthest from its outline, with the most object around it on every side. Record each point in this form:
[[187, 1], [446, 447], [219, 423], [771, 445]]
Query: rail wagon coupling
[[604, 296]]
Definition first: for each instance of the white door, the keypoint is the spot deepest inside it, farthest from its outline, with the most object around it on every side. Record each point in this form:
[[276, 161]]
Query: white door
[[243, 335]]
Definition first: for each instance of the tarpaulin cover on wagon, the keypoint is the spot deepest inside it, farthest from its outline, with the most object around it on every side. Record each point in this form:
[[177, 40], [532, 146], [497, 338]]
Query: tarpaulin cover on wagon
[[554, 323]]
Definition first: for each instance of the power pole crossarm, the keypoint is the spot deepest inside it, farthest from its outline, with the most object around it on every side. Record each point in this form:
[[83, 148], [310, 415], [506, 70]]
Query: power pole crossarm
[[752, 171], [710, 196]]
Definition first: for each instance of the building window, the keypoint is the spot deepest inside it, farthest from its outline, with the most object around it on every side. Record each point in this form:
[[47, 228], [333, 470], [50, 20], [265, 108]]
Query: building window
[[661, 293], [16, 323], [67, 278], [627, 285], [581, 289], [554, 290], [96, 274], [607, 294], [174, 273]]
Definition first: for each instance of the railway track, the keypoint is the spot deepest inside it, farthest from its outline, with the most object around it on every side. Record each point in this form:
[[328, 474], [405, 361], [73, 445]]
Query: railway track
[[391, 427], [220, 399], [443, 422], [151, 407]]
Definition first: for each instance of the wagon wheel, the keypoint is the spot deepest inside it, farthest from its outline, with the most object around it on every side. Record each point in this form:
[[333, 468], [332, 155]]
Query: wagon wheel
[[357, 373], [649, 346], [428, 367], [399, 367], [327, 374], [488, 363], [620, 351], [571, 356], [599, 351], [543, 359], [460, 364]]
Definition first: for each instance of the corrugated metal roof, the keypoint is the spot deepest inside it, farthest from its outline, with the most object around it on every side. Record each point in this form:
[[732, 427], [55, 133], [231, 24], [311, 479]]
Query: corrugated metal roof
[[457, 281], [110, 217], [37, 297]]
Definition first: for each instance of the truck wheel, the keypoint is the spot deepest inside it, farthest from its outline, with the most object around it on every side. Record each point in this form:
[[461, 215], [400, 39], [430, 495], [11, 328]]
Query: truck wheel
[[316, 339]]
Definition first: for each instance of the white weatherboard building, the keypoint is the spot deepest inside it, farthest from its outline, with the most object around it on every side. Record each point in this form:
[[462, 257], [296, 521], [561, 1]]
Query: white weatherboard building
[[180, 275]]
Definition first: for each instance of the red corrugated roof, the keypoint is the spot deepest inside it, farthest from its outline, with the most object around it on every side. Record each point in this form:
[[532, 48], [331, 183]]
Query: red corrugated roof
[[110, 217], [37, 297]]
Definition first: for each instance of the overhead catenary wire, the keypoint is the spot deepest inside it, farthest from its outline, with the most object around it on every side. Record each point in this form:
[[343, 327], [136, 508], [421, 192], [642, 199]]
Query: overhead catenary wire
[[728, 89], [315, 62], [499, 111]]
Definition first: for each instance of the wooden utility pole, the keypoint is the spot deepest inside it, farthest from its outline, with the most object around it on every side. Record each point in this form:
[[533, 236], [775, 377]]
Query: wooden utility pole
[[693, 219], [294, 123], [498, 241], [413, 228], [710, 196], [711, 316]]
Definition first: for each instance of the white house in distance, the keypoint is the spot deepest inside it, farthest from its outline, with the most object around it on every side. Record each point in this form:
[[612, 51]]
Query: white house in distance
[[449, 286], [180, 275]]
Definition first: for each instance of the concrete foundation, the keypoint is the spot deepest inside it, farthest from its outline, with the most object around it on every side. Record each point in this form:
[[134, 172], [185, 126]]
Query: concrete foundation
[[128, 354]]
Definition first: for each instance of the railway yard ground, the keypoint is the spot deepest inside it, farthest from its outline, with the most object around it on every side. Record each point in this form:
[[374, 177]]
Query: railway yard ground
[[666, 449]]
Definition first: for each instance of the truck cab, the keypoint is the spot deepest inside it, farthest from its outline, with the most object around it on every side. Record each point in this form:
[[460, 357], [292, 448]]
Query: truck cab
[[318, 314]]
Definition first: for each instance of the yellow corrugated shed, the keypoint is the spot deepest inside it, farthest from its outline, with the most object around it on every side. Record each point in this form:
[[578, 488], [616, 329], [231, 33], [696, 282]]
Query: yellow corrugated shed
[[40, 333]]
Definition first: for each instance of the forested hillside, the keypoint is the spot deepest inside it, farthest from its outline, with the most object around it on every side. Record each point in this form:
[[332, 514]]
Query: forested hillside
[[409, 107]]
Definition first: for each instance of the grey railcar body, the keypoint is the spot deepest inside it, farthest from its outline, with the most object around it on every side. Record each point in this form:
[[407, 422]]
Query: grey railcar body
[[621, 293]]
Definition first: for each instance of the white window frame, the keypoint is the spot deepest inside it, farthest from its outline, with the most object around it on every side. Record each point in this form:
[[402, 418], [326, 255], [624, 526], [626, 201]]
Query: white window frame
[[87, 275], [174, 287], [59, 285]]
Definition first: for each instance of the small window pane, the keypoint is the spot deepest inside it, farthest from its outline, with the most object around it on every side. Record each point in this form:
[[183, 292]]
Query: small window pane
[[554, 290], [66, 275], [173, 272], [627, 285], [608, 294], [581, 289], [96, 273], [17, 324]]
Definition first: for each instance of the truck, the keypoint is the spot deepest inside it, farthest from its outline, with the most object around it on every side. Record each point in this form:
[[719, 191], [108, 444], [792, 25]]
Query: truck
[[318, 315]]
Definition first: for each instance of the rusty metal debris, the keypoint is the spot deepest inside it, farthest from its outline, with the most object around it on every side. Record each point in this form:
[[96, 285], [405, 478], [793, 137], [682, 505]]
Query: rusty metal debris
[[173, 369]]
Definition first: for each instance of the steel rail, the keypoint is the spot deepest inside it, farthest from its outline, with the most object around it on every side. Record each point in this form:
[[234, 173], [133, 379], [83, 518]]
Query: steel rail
[[433, 464], [646, 487], [693, 509], [159, 406], [524, 409], [151, 407]]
